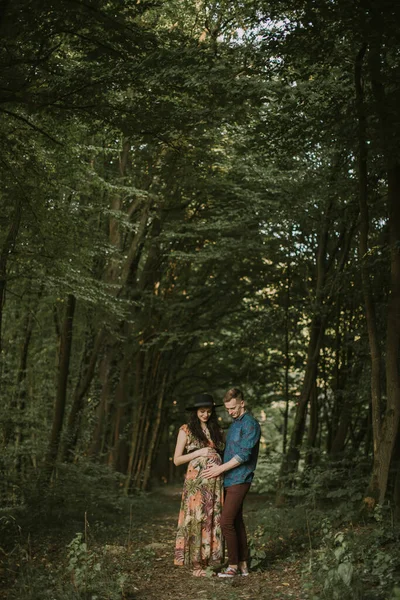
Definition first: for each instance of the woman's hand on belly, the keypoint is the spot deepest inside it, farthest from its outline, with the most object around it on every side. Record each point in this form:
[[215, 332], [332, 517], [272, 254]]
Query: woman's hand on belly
[[205, 452]]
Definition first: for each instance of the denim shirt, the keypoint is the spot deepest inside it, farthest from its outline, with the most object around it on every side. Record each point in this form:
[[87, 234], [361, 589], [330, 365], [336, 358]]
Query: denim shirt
[[242, 443]]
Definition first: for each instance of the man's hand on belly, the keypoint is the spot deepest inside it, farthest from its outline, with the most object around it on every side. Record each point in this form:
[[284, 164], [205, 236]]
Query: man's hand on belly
[[213, 471]]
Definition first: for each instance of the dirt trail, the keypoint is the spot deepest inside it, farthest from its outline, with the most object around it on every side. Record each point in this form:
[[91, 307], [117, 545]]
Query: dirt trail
[[157, 578]]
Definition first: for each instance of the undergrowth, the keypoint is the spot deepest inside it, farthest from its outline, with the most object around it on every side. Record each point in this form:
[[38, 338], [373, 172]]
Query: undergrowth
[[84, 540], [54, 546], [345, 554]]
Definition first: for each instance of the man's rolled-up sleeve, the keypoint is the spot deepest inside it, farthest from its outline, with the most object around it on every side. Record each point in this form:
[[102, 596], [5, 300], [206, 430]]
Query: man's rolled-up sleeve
[[238, 458], [249, 439]]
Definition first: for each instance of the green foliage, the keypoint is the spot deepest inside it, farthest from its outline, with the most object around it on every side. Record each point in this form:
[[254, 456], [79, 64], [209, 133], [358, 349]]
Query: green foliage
[[81, 564], [266, 476], [174, 166], [81, 574], [144, 556], [96, 491], [360, 561], [331, 482], [257, 555], [333, 565], [279, 533], [72, 529]]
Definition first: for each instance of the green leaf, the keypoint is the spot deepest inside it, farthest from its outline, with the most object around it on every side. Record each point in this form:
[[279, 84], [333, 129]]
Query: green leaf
[[345, 571]]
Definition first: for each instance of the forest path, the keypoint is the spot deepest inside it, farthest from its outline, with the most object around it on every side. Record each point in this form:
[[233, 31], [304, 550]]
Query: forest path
[[157, 578]]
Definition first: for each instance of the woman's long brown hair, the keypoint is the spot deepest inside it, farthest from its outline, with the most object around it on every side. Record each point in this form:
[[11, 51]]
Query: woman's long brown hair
[[213, 427]]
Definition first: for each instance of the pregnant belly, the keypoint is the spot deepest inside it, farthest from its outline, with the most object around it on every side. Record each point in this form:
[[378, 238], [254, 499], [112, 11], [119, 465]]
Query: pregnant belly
[[197, 465]]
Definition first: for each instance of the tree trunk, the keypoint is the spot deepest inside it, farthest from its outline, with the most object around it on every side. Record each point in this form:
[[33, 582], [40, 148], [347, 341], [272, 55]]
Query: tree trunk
[[395, 468], [149, 390], [346, 373], [154, 436], [390, 422], [21, 385], [337, 380], [63, 371], [323, 298], [287, 350], [385, 436], [290, 461], [102, 409], [7, 248], [17, 404], [86, 375], [317, 329], [113, 274], [136, 420], [119, 454], [143, 407], [363, 250], [313, 426]]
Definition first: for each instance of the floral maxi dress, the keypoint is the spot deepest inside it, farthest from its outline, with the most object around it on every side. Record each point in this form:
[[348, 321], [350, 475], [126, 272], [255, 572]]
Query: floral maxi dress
[[199, 537]]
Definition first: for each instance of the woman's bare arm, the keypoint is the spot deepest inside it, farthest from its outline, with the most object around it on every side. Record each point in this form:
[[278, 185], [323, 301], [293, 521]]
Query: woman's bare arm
[[180, 458]]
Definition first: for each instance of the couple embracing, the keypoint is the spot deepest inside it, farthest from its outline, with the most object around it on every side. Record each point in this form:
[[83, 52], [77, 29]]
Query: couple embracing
[[217, 480]]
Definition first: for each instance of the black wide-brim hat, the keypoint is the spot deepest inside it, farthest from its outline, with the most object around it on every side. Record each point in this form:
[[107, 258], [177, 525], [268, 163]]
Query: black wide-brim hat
[[203, 401]]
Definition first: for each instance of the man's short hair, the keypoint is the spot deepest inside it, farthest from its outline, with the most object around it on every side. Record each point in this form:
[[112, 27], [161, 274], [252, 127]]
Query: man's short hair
[[233, 394]]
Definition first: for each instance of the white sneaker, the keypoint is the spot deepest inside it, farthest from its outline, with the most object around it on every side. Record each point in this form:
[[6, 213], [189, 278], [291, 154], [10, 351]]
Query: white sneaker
[[228, 572]]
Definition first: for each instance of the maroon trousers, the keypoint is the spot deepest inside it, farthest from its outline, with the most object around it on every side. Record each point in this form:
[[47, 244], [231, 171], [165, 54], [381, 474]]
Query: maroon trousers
[[232, 524]]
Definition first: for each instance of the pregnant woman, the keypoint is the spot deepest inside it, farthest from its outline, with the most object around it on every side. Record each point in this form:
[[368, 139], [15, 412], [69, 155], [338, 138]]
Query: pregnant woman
[[199, 443]]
